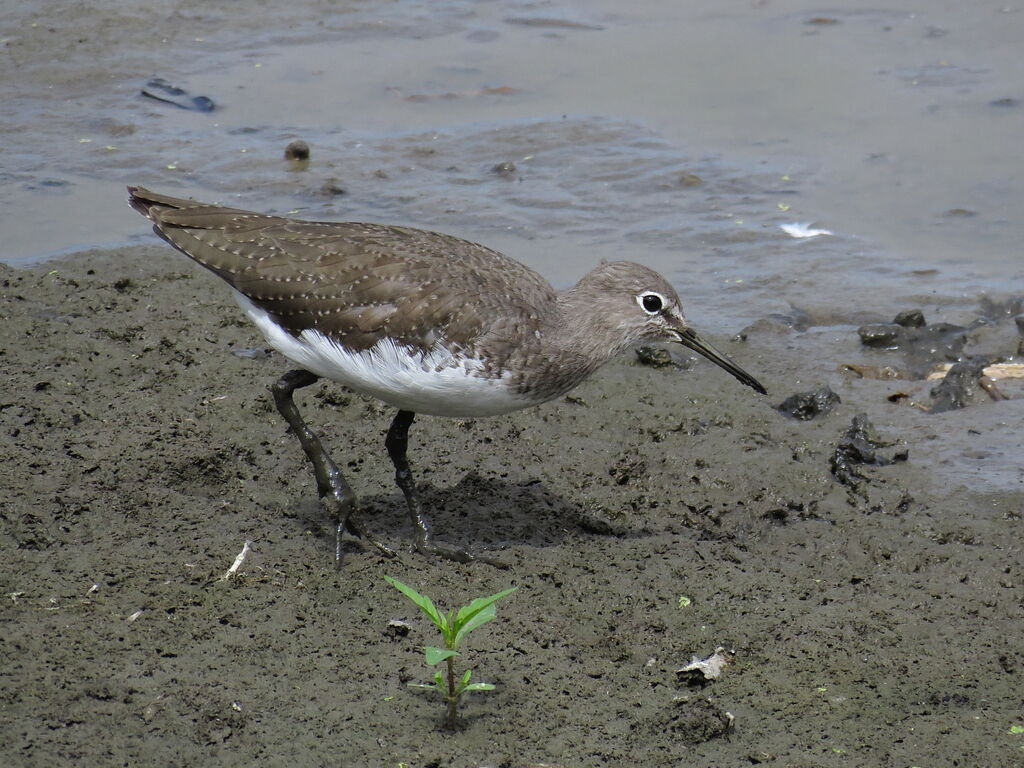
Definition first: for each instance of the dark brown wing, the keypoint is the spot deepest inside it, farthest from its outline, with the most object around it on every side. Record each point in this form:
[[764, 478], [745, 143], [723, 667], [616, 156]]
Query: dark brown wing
[[355, 282]]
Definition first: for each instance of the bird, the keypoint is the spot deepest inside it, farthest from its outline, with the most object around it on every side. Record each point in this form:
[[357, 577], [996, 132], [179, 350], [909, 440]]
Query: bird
[[426, 322]]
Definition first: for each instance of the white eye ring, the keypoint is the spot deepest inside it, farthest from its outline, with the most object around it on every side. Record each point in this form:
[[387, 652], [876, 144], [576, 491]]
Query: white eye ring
[[651, 302]]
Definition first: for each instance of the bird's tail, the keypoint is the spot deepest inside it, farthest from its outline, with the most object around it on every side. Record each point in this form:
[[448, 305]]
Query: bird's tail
[[144, 201]]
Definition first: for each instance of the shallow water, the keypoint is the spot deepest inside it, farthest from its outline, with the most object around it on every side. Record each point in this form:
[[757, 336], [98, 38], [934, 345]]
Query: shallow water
[[680, 135], [883, 121]]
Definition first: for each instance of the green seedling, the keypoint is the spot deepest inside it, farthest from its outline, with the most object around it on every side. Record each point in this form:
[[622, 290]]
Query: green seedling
[[453, 628]]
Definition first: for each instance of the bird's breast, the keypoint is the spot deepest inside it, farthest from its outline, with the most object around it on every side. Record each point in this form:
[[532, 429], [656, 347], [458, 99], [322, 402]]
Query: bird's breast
[[440, 381]]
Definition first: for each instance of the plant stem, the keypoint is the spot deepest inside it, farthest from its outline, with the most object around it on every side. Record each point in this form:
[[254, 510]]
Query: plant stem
[[453, 700]]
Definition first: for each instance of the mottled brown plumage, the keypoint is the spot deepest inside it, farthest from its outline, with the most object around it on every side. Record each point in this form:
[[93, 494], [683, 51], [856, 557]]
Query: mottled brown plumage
[[360, 282]]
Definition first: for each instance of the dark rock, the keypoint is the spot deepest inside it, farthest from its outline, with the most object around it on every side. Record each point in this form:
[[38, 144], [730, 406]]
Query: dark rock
[[330, 189], [881, 335], [910, 318], [809, 405], [297, 150], [922, 346], [957, 388]]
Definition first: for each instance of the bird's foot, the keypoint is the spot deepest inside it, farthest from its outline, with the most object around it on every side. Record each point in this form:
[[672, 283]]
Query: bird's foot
[[342, 508], [425, 545], [355, 525]]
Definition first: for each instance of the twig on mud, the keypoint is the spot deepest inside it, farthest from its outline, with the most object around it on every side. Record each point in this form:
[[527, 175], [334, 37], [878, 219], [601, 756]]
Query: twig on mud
[[246, 548], [131, 619], [989, 386]]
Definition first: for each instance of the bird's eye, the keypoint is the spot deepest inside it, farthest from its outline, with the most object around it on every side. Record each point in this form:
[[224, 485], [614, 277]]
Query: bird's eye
[[652, 303]]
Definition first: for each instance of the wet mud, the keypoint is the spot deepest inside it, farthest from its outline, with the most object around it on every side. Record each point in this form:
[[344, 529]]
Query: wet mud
[[652, 516]]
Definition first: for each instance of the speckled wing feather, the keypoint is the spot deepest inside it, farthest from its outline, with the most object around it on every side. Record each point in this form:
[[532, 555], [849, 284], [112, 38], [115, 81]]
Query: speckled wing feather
[[357, 282]]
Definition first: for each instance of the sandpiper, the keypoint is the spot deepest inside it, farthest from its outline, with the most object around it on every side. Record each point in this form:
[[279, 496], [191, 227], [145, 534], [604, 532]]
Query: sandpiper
[[426, 322]]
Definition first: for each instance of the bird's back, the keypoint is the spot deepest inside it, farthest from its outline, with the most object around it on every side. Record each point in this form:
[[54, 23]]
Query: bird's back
[[353, 282]]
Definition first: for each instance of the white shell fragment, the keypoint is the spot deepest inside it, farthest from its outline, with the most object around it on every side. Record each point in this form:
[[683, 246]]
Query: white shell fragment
[[239, 559], [804, 229], [710, 668]]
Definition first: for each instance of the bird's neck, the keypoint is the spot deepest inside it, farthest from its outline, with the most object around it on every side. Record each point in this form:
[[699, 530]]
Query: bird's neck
[[572, 342], [584, 324]]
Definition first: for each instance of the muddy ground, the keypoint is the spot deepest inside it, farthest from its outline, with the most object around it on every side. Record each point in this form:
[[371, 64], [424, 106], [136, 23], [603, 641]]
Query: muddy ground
[[871, 627]]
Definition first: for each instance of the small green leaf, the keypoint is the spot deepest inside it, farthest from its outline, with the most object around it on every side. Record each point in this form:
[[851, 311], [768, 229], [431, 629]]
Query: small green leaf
[[1016, 729], [439, 682], [479, 687], [465, 678], [477, 613], [431, 686], [425, 604], [437, 655], [474, 621], [480, 603]]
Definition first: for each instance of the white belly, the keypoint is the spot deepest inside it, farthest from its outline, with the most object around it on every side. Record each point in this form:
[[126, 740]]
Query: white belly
[[435, 383]]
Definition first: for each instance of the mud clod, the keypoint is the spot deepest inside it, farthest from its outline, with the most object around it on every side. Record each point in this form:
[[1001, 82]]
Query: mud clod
[[506, 169], [694, 720], [859, 446]]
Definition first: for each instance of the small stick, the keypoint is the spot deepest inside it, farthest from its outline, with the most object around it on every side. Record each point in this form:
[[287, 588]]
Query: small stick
[[239, 559], [989, 386]]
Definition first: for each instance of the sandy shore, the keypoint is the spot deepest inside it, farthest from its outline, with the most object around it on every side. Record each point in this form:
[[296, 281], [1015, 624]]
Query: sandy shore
[[140, 451]]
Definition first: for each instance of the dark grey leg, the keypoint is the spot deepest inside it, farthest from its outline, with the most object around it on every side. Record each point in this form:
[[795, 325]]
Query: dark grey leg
[[335, 493], [397, 443]]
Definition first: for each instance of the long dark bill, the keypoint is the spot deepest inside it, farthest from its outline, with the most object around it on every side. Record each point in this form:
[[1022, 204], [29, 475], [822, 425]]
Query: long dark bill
[[689, 338]]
